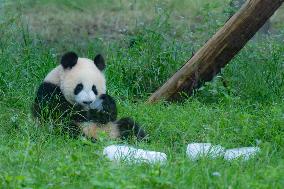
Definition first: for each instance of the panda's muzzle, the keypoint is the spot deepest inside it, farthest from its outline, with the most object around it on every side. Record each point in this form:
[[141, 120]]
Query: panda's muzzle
[[87, 102]]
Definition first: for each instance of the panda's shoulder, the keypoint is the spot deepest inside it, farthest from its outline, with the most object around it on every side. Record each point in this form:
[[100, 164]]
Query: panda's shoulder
[[48, 89], [50, 94]]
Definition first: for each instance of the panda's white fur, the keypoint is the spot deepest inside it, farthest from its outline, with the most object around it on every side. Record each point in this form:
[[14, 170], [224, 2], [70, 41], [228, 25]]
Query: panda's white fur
[[54, 75], [86, 73]]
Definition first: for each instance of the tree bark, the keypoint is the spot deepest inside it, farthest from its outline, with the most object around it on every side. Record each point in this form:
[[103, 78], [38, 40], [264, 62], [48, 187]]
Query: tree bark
[[219, 50], [236, 4]]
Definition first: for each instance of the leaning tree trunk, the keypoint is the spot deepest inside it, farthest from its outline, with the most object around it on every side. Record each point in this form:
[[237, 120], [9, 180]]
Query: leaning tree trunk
[[219, 50], [236, 4]]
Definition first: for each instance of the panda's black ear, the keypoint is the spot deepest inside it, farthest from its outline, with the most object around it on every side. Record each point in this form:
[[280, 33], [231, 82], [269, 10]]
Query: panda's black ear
[[69, 60], [100, 62]]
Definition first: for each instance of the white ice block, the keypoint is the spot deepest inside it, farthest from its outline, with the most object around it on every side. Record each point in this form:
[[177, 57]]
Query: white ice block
[[245, 153], [130, 154], [197, 150]]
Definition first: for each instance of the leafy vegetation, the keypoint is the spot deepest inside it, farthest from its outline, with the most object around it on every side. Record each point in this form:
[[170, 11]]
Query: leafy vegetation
[[242, 106]]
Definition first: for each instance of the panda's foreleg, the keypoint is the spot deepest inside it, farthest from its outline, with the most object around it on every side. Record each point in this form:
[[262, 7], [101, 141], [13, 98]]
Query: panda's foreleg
[[103, 110], [127, 128]]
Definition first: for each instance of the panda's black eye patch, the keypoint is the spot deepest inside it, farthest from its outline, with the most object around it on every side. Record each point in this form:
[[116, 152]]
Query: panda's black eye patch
[[78, 88], [94, 88]]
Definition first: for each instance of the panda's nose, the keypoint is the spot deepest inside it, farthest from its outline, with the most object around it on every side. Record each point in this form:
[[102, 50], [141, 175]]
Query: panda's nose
[[87, 102]]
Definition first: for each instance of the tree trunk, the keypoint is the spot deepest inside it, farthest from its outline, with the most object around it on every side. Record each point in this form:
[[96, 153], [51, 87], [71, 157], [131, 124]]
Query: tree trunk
[[219, 50], [236, 5]]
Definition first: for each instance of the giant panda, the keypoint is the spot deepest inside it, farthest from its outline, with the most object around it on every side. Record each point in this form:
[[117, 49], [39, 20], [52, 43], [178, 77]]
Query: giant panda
[[73, 94]]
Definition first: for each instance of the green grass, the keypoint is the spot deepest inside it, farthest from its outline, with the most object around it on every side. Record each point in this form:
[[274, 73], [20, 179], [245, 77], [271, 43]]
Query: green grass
[[247, 111]]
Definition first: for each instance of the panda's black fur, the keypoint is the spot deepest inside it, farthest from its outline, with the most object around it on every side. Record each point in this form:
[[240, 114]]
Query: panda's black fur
[[51, 103]]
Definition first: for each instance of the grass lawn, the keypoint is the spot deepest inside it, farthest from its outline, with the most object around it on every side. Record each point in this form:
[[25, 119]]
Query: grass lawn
[[144, 44]]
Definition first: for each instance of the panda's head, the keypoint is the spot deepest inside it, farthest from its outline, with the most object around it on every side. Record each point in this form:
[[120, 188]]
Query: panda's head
[[82, 80]]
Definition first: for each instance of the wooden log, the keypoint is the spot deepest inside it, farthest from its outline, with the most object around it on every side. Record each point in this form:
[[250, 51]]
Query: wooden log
[[236, 4], [219, 50]]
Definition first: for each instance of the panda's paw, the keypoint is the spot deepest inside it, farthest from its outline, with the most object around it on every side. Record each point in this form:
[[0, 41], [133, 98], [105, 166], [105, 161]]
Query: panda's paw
[[97, 105]]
